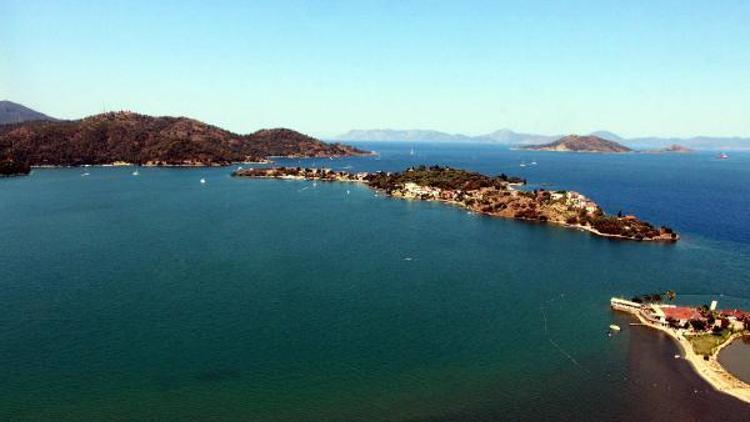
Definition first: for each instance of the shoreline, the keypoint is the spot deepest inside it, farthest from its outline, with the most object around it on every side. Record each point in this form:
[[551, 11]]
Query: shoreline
[[718, 377]]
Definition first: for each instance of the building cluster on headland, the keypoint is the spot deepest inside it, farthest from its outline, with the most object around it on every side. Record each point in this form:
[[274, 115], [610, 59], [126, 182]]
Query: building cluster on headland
[[489, 195], [700, 331], [704, 319]]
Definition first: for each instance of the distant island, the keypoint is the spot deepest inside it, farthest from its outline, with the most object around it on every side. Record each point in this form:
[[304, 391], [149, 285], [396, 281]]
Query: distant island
[[701, 333], [575, 143], [132, 138], [674, 148], [488, 195]]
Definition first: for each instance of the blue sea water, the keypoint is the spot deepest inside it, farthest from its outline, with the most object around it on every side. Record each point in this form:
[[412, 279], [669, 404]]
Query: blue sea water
[[158, 298]]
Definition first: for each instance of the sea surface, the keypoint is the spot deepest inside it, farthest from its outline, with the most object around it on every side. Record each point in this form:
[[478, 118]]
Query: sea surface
[[156, 297]]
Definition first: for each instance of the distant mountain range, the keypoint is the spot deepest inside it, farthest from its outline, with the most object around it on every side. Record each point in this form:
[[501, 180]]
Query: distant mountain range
[[510, 137], [11, 112]]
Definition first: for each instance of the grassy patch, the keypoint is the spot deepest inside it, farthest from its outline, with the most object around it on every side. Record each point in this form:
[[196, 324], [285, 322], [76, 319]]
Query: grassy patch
[[705, 344]]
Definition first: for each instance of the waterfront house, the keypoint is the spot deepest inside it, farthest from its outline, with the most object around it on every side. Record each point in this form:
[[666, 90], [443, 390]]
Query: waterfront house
[[681, 315]]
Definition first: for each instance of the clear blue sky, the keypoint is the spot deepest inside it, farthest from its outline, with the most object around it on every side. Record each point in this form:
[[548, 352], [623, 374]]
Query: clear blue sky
[[633, 67]]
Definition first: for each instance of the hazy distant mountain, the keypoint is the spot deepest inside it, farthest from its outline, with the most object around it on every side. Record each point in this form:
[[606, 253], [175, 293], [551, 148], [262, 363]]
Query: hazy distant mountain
[[698, 142], [575, 143], [11, 112], [502, 136], [401, 135], [509, 137], [605, 134]]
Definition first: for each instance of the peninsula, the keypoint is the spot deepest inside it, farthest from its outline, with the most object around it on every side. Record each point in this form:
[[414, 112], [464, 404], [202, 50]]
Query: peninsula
[[575, 143], [701, 332], [489, 195], [132, 138]]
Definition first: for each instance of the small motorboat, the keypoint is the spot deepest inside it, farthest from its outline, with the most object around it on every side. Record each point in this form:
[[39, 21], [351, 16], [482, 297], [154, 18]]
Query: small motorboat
[[85, 174], [135, 173], [203, 181], [722, 156], [615, 328]]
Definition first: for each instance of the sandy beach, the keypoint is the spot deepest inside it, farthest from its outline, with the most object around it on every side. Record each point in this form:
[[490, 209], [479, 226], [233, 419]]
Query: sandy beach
[[710, 370]]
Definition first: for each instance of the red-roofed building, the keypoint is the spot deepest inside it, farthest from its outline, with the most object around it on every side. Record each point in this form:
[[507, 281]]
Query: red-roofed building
[[681, 314], [736, 313]]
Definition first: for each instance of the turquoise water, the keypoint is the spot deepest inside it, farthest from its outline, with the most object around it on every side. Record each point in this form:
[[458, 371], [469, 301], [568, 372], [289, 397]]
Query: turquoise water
[[158, 298]]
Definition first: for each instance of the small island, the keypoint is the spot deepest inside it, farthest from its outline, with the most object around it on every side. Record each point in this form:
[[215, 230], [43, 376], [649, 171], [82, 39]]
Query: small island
[[701, 333], [575, 143], [495, 196], [674, 149]]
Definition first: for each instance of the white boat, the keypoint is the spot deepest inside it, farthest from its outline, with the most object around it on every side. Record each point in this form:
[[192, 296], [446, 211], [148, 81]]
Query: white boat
[[85, 174], [533, 163], [614, 327], [722, 156], [203, 181], [523, 164], [135, 173]]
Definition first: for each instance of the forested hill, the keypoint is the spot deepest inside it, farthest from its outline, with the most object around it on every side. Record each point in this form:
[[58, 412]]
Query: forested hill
[[141, 139]]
